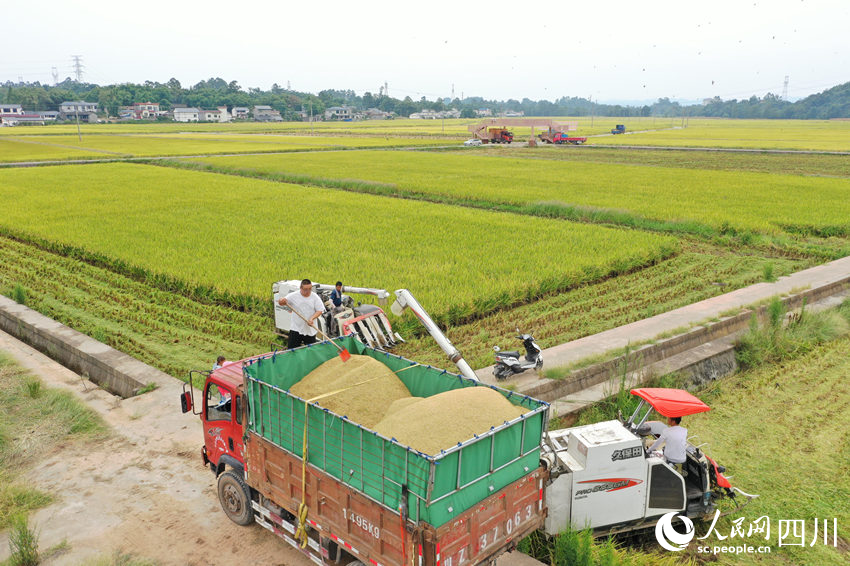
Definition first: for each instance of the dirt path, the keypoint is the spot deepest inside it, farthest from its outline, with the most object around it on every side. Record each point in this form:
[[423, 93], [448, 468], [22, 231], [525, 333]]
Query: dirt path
[[143, 491]]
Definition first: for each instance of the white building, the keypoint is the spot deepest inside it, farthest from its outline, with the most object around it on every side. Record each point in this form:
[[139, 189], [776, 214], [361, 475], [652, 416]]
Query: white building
[[11, 109], [264, 113], [186, 114], [209, 115], [240, 113], [339, 113], [71, 110], [224, 115]]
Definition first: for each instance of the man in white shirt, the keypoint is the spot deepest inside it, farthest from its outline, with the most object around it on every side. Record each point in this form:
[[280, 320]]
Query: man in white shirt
[[675, 439], [306, 303]]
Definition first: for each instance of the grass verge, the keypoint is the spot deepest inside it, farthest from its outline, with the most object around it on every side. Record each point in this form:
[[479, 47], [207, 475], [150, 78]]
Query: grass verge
[[36, 419]]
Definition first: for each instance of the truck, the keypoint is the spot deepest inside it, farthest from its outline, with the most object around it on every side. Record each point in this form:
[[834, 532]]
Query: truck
[[619, 129], [345, 494], [556, 137], [498, 135]]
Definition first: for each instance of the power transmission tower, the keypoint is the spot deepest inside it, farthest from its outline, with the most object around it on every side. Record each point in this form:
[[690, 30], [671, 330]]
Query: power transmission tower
[[55, 72], [288, 86], [78, 67], [386, 89], [785, 88]]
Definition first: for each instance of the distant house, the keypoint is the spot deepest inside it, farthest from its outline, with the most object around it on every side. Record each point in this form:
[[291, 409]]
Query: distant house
[[375, 114], [11, 109], [49, 115], [17, 119], [512, 114], [145, 110], [339, 113], [224, 114], [483, 112], [266, 114], [240, 113], [209, 115], [186, 114], [424, 115], [85, 111]]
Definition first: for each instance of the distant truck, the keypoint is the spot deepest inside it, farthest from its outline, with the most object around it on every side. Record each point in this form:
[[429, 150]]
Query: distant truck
[[561, 138], [498, 135], [619, 129]]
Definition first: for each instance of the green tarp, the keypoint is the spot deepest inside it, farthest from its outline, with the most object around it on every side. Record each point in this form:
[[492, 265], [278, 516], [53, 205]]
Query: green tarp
[[438, 487]]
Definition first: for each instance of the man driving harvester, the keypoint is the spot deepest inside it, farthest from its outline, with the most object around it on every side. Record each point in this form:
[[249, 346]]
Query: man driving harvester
[[306, 303]]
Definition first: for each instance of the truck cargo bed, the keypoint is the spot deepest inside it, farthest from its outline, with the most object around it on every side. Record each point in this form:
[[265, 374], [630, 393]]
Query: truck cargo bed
[[434, 489], [377, 535]]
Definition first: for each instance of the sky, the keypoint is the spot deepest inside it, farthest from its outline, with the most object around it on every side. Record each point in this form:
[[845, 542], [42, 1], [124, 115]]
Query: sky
[[610, 51]]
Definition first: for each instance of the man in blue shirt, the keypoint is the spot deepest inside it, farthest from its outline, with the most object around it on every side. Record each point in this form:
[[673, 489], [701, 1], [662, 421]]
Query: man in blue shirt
[[336, 294]]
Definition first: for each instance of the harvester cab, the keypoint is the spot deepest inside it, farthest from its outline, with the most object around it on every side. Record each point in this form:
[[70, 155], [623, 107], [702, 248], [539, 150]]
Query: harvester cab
[[368, 322], [604, 478]]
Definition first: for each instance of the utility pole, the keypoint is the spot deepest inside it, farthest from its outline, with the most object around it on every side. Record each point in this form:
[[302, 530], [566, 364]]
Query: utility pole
[[77, 115], [78, 67]]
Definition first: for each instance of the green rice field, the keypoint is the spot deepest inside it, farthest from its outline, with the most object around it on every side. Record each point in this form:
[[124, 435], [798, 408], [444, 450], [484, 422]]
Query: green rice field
[[741, 200], [35, 148], [239, 235]]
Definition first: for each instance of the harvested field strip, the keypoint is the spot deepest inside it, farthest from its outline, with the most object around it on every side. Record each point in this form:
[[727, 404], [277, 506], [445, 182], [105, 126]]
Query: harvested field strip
[[785, 164], [239, 235], [659, 198], [698, 272], [164, 329], [751, 431]]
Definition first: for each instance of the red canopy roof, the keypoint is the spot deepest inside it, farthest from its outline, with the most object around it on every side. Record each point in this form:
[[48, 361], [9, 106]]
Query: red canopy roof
[[671, 402]]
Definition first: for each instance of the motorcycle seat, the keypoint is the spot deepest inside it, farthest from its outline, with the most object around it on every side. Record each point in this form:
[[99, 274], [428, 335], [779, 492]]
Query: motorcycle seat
[[509, 354]]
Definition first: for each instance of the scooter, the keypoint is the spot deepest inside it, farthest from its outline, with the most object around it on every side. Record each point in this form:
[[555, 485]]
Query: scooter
[[509, 363]]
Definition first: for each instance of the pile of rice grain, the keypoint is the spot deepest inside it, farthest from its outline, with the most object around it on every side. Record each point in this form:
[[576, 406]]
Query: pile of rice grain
[[367, 387], [439, 422]]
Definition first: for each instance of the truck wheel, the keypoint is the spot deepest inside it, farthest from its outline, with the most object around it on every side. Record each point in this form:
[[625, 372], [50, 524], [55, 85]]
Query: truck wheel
[[235, 498]]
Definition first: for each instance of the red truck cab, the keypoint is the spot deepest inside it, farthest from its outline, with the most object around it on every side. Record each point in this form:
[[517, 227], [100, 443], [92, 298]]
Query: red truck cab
[[221, 417]]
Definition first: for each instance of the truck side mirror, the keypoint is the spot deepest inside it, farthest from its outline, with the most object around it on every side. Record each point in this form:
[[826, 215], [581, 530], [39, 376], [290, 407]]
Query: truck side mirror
[[186, 401]]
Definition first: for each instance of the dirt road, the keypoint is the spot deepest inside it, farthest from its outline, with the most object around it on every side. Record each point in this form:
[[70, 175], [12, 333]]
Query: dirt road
[[143, 491]]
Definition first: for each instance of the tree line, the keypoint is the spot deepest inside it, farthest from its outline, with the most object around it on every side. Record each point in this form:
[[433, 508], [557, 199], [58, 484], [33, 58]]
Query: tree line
[[832, 103]]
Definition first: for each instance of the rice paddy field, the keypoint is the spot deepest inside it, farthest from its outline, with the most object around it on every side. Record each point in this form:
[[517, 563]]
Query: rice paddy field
[[99, 146], [628, 193], [565, 241], [814, 135], [172, 260], [797, 135], [239, 235]]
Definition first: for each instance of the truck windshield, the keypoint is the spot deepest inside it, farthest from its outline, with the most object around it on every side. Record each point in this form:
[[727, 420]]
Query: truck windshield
[[218, 402]]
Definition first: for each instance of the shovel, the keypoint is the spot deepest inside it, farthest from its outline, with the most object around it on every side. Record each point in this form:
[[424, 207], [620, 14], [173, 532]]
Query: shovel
[[344, 354]]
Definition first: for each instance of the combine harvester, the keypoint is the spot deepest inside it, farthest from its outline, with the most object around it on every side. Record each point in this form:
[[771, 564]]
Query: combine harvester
[[344, 494]]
